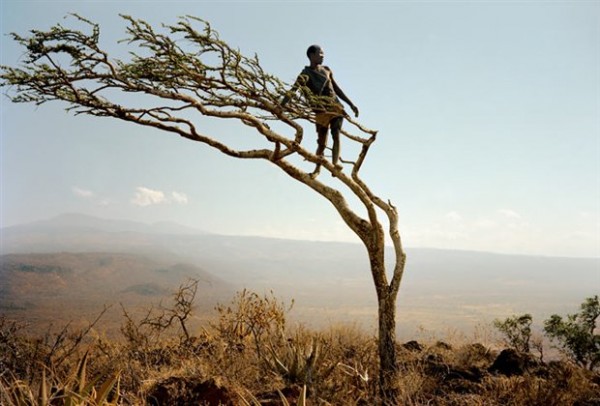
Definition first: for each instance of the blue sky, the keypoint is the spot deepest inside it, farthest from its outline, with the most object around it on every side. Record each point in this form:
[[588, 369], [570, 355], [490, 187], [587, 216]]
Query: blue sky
[[488, 115]]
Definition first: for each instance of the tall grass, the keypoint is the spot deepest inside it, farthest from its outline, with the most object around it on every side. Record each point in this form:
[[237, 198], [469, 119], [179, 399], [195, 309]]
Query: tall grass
[[249, 355]]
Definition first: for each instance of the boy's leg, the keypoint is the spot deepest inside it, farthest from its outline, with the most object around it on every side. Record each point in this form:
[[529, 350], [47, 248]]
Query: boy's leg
[[321, 145], [336, 127], [321, 140]]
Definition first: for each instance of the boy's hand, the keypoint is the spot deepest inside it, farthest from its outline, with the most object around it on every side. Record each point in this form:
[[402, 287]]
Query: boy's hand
[[355, 110]]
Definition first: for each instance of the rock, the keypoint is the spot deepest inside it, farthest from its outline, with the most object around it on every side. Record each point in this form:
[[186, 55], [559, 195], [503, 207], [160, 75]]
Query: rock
[[511, 362], [182, 391], [413, 346], [442, 346]]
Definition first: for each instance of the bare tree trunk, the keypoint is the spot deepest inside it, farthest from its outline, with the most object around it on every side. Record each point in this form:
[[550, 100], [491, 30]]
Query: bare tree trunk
[[386, 315], [388, 365]]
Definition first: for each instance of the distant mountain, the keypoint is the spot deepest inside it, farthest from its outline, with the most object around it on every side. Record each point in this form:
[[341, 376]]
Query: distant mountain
[[76, 221], [442, 289], [83, 233]]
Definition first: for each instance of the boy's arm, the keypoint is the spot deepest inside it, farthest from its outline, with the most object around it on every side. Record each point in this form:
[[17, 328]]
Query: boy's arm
[[300, 81], [341, 94]]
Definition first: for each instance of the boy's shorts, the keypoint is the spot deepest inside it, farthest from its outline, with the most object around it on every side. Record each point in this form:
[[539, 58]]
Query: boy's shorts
[[329, 120]]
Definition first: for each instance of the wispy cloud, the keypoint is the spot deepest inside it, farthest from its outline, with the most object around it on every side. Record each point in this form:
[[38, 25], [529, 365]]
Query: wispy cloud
[[82, 193], [180, 198], [91, 197], [146, 197]]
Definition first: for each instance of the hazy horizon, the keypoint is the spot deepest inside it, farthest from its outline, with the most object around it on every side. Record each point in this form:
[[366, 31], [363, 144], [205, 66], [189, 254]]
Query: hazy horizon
[[175, 227]]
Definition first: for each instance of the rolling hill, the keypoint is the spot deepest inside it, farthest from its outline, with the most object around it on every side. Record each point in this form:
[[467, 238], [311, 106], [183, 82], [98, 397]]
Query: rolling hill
[[58, 288]]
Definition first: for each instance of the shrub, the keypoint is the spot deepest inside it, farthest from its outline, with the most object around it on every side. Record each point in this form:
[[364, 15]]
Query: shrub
[[576, 334], [517, 331], [250, 316]]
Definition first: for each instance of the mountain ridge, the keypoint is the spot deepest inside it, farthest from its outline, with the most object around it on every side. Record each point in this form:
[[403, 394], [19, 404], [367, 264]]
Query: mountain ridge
[[331, 280], [78, 221], [84, 221]]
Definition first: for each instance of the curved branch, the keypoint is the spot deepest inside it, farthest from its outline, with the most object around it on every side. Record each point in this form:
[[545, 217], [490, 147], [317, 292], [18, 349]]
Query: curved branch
[[360, 226]]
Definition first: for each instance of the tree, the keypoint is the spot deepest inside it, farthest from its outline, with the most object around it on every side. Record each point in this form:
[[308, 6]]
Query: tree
[[577, 334], [516, 330], [182, 70], [179, 313]]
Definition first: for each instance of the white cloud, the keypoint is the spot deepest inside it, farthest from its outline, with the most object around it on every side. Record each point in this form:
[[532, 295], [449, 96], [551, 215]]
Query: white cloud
[[146, 197], [180, 198], [82, 193]]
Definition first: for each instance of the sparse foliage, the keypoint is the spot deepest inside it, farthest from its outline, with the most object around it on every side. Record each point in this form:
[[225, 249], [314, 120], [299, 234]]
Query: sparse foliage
[[577, 334], [516, 331], [146, 338], [179, 312]]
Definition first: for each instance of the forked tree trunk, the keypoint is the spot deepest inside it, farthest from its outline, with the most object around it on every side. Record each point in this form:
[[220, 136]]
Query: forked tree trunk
[[388, 370], [386, 315]]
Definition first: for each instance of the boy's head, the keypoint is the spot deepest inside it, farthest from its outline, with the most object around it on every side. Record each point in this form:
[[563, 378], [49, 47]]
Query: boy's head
[[315, 54]]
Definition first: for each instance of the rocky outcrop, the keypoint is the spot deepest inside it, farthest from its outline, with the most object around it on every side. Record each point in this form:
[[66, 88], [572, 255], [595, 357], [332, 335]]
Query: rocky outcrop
[[183, 391]]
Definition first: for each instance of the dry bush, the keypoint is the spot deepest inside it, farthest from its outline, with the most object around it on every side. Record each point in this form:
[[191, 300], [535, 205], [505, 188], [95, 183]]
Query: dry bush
[[16, 351], [564, 385]]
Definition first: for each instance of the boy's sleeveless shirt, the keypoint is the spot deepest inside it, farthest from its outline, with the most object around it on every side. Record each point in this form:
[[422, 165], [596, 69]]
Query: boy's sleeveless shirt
[[319, 81]]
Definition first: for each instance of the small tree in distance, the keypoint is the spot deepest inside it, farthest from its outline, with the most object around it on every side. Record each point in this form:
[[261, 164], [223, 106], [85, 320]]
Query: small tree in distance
[[516, 330], [577, 335], [182, 71]]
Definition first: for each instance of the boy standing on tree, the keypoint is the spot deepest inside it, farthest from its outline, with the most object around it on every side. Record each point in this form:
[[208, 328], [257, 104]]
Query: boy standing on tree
[[323, 98]]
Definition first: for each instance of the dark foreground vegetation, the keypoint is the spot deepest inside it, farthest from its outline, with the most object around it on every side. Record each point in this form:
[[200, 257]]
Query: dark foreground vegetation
[[249, 356]]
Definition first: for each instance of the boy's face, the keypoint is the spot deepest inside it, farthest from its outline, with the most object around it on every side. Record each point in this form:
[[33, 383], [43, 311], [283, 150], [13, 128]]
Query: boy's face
[[317, 57]]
